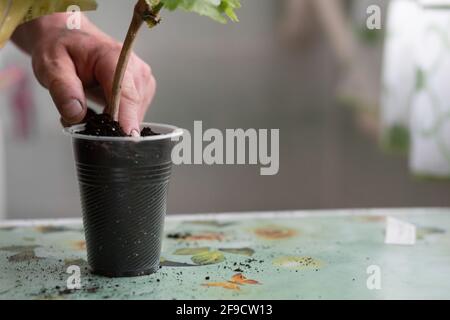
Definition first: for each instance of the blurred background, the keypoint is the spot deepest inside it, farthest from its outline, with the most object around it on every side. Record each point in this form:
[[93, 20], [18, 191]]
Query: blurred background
[[311, 70]]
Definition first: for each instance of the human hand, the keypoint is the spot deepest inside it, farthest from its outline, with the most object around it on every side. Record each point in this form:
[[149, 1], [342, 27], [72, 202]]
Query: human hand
[[78, 64]]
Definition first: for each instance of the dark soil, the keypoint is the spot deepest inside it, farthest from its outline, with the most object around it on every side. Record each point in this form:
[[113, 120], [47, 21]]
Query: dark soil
[[102, 125], [148, 132]]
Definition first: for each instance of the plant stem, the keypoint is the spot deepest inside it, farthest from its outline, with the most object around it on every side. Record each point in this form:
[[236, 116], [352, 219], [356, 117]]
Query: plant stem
[[142, 12]]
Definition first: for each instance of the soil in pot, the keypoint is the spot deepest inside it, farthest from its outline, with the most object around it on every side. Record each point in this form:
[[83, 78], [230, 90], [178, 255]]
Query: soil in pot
[[102, 125]]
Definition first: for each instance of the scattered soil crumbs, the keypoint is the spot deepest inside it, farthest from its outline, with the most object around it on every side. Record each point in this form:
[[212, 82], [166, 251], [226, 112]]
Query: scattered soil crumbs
[[178, 236]]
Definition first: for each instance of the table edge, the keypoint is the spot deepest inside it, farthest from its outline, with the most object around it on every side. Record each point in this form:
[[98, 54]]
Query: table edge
[[262, 215]]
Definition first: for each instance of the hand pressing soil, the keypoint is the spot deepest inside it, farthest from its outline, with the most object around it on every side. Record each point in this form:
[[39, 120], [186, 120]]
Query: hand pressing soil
[[102, 125]]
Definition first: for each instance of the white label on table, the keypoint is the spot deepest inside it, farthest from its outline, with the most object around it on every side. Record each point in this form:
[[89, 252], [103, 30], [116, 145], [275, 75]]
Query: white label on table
[[399, 232]]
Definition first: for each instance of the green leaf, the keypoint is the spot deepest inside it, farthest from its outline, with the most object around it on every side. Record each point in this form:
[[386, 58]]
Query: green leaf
[[168, 263], [211, 223], [190, 251], [152, 3], [242, 251], [218, 10], [420, 79], [209, 257], [18, 248]]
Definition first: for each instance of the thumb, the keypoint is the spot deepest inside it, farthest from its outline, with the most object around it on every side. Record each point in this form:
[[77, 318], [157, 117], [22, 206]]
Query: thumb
[[59, 76]]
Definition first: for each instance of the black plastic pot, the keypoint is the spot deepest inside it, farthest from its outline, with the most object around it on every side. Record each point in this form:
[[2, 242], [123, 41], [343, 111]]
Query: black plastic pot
[[123, 188]]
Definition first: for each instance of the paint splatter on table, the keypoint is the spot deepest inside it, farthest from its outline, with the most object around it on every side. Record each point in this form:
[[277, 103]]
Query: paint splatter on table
[[286, 255]]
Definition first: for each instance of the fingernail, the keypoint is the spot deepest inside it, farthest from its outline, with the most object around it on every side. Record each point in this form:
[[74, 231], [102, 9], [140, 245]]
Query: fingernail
[[72, 109], [135, 133]]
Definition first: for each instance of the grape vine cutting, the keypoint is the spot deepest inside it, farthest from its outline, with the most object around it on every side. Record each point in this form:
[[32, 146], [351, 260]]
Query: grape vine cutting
[[148, 11]]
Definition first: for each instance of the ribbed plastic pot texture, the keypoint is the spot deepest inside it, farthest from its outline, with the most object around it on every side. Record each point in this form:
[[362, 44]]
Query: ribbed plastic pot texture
[[123, 187]]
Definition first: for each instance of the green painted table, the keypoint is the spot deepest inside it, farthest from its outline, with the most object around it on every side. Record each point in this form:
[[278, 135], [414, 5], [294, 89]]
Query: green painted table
[[285, 255]]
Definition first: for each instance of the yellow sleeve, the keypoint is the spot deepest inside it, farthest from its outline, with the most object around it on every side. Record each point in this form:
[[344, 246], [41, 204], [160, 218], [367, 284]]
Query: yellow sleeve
[[13, 13]]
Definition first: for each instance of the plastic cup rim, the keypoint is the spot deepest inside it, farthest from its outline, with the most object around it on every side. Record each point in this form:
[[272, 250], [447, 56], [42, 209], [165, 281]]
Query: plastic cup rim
[[173, 133]]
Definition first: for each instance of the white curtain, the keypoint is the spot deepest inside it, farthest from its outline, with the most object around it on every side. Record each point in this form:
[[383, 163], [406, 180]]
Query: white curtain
[[416, 85]]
